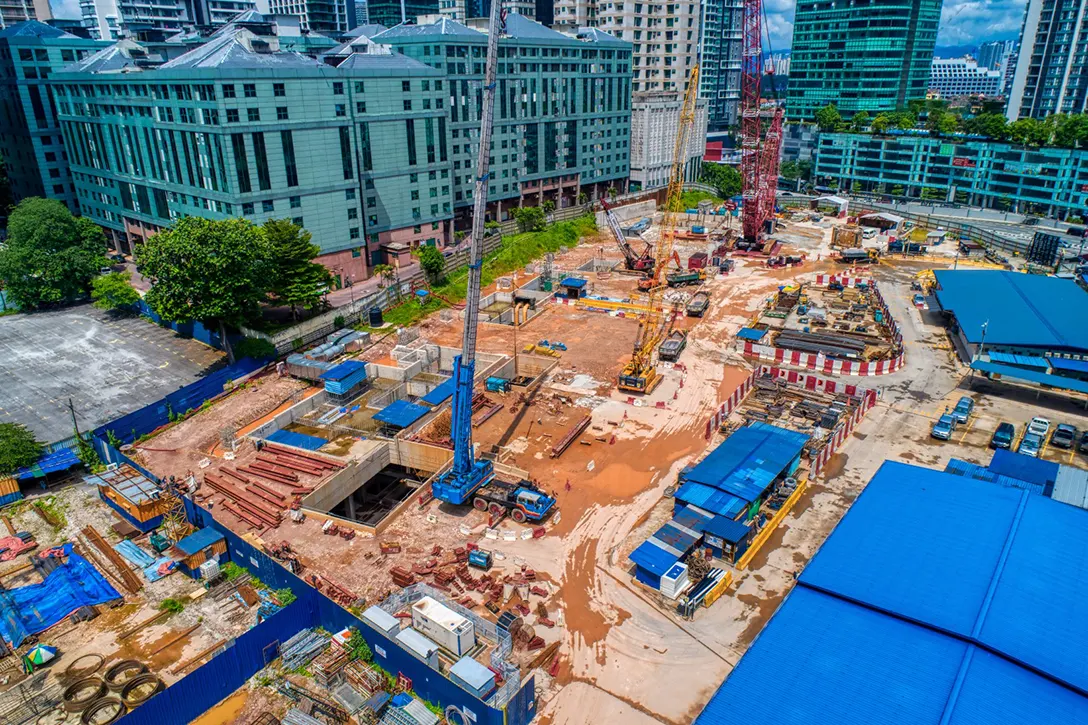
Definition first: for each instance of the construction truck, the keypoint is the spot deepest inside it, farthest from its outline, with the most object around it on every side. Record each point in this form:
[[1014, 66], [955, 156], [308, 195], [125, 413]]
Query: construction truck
[[698, 304], [673, 345], [859, 256], [522, 501], [685, 278]]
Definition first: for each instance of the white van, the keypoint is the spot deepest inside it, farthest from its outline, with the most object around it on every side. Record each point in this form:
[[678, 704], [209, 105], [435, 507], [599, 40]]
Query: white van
[[868, 233]]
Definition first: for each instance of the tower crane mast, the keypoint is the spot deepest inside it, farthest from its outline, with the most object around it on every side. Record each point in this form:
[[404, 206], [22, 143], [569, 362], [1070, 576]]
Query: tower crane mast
[[759, 150]]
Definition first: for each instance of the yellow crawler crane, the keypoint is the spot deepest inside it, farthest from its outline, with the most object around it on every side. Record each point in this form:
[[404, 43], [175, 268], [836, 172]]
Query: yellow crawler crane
[[640, 375]]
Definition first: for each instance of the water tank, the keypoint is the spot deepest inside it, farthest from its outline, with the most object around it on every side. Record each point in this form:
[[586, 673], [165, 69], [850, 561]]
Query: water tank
[[375, 315]]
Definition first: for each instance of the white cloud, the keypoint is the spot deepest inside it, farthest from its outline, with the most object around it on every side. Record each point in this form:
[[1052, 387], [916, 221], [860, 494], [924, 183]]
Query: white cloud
[[65, 8]]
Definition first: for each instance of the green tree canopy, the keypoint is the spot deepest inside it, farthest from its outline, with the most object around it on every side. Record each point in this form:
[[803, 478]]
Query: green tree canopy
[[828, 118], [860, 121], [940, 121], [881, 123], [18, 448], [725, 179], [1030, 132], [216, 272], [50, 256], [529, 218], [1071, 130], [296, 280], [113, 292], [433, 262], [991, 125]]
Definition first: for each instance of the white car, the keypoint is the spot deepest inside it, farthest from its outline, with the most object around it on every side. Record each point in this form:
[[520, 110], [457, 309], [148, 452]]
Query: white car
[[1039, 426]]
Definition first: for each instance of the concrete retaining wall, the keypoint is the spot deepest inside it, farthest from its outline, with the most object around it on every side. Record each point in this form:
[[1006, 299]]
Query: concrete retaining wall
[[289, 416], [628, 213]]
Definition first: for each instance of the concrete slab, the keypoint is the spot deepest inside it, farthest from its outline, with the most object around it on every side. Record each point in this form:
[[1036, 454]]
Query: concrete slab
[[107, 366]]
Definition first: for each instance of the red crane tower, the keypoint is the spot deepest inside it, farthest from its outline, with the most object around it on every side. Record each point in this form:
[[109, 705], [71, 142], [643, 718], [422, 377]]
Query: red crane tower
[[759, 148]]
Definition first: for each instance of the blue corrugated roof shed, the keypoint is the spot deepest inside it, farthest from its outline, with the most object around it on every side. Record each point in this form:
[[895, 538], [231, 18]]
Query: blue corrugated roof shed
[[750, 333], [573, 282], [981, 473], [344, 370], [727, 529], [937, 599], [1076, 366], [1028, 361], [1025, 468], [710, 499], [691, 517], [440, 394], [1032, 310], [60, 460], [198, 541], [747, 462], [650, 555], [1032, 376], [401, 413]]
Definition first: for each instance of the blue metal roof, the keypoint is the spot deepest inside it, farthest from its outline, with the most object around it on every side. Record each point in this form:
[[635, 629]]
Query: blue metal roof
[[711, 499], [1057, 381], [654, 559], [747, 462], [1060, 363], [937, 599], [573, 282], [1031, 310], [1030, 361], [691, 518], [440, 394], [750, 333], [728, 529], [676, 537], [401, 413], [1025, 468], [981, 473], [344, 370], [198, 541], [298, 440], [59, 460]]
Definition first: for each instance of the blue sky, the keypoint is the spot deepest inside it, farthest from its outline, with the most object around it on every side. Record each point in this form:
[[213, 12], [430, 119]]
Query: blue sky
[[963, 22]]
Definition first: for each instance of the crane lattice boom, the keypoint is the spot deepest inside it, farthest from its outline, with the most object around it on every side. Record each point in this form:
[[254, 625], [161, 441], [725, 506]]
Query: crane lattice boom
[[759, 151]]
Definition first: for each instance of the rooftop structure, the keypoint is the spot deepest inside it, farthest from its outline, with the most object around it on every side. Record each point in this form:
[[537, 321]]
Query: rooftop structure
[[939, 599]]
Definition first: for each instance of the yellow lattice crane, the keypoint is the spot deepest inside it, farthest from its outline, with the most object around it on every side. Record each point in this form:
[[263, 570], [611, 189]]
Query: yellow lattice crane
[[640, 375]]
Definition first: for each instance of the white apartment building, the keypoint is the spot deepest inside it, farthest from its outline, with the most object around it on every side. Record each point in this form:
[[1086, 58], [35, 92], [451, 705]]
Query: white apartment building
[[19, 11], [655, 119], [954, 77]]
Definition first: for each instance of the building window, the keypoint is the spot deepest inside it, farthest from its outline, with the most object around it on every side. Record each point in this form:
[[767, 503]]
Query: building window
[[250, 90], [353, 213], [228, 90], [360, 106], [415, 194], [353, 233], [417, 228], [368, 159], [349, 194], [268, 206], [406, 86], [341, 110], [410, 129], [278, 90], [359, 86], [238, 144], [264, 181], [407, 104], [372, 220], [247, 208], [281, 113], [296, 202], [345, 152], [289, 158], [371, 202], [338, 88], [297, 221], [232, 115], [253, 114]]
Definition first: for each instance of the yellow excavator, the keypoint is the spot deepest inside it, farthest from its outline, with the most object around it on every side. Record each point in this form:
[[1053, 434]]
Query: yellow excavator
[[640, 375]]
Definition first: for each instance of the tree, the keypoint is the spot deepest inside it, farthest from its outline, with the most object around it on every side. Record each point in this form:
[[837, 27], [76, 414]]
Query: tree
[[991, 125], [725, 179], [50, 257], [612, 193], [548, 206], [216, 272], [904, 120], [881, 123], [828, 118], [529, 218], [18, 448], [860, 121], [1070, 130], [385, 273], [583, 198], [941, 122], [432, 262], [296, 280], [113, 292], [1030, 132]]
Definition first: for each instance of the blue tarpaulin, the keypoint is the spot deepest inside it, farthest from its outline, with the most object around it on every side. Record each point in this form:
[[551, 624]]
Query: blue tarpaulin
[[37, 607], [60, 460], [440, 394], [573, 282], [146, 563], [298, 440], [401, 414]]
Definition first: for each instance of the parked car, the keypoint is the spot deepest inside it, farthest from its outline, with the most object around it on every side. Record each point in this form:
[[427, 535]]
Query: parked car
[[1003, 436], [963, 409], [1065, 436], [1031, 445], [919, 301], [1082, 447], [1039, 426], [944, 427]]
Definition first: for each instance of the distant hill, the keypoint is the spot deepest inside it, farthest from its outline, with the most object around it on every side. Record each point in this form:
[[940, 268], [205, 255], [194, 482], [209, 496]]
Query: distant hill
[[954, 51]]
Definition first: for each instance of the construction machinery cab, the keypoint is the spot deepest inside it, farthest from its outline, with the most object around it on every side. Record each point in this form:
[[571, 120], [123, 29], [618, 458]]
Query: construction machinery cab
[[534, 502]]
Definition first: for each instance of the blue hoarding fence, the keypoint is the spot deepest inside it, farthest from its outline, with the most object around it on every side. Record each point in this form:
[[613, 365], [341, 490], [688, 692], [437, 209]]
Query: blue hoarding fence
[[195, 330], [128, 428], [223, 674]]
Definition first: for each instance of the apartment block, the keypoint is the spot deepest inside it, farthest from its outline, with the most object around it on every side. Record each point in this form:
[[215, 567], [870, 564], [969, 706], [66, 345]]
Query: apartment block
[[562, 115], [953, 77], [19, 11], [30, 138], [1048, 181], [655, 121], [395, 12], [354, 153], [318, 16], [1052, 66], [860, 55], [722, 44]]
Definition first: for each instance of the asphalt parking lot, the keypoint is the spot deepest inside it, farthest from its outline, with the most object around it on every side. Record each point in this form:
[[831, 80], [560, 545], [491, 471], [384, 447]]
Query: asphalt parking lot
[[107, 366]]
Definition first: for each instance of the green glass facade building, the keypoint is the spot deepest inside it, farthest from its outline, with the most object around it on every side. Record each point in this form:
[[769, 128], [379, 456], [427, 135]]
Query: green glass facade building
[[861, 55], [1050, 181], [30, 138], [562, 116]]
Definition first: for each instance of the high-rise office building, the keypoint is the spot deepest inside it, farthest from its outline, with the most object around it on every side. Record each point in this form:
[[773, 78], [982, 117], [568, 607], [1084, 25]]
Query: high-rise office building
[[952, 77], [1052, 66], [30, 138], [722, 44], [112, 19], [860, 55], [330, 17], [18, 11], [394, 12], [992, 55]]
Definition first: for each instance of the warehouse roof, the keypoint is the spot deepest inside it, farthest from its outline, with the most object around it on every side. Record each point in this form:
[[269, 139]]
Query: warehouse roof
[[936, 599], [747, 462], [1061, 382], [1028, 310], [1026, 468], [344, 370]]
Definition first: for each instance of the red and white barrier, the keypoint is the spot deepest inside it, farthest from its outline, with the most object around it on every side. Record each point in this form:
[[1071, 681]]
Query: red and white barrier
[[731, 403], [826, 279], [840, 435]]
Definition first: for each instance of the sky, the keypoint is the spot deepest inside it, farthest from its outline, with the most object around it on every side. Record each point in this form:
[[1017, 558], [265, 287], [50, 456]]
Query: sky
[[963, 22]]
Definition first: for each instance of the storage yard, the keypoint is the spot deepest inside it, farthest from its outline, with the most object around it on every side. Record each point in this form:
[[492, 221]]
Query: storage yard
[[625, 555]]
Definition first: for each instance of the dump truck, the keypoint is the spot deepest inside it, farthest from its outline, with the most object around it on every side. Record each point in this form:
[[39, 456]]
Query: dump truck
[[523, 501], [682, 279], [674, 345], [859, 256], [698, 304]]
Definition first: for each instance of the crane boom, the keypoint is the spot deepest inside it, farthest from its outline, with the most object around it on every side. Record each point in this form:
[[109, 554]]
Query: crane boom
[[468, 474], [635, 262], [639, 375], [759, 153]]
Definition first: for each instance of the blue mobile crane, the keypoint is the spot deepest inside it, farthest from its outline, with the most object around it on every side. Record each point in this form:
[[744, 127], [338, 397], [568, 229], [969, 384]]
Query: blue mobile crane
[[471, 480]]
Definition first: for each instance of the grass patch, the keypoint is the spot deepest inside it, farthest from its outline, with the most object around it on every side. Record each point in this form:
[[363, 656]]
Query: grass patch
[[171, 605], [232, 571], [691, 199]]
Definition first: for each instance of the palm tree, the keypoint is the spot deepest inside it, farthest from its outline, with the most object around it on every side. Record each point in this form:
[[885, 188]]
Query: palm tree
[[385, 272]]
